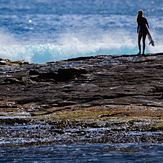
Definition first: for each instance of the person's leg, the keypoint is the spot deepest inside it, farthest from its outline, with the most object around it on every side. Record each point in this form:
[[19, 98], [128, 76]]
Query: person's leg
[[144, 37], [139, 42]]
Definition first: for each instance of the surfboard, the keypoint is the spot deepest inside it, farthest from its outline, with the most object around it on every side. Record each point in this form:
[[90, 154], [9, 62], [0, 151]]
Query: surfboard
[[151, 41]]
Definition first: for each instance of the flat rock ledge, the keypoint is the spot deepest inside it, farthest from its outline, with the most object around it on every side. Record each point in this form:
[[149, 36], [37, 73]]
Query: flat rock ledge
[[87, 91], [94, 81]]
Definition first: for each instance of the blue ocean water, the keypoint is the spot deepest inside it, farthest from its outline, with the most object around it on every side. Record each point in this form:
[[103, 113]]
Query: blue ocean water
[[84, 153], [49, 30]]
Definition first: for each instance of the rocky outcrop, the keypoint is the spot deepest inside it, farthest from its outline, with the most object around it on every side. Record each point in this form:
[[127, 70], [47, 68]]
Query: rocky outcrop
[[91, 81], [101, 99], [62, 74]]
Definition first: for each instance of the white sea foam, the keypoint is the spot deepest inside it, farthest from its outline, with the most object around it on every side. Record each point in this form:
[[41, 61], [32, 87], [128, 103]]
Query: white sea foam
[[75, 44]]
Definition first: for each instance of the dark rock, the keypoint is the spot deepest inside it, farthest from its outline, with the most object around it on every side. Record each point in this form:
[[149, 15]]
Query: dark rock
[[69, 73], [60, 75], [95, 81], [47, 75], [81, 58], [13, 121], [33, 72], [25, 62], [11, 80]]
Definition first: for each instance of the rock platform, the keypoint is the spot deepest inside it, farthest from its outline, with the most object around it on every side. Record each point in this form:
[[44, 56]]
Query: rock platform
[[91, 81], [110, 88]]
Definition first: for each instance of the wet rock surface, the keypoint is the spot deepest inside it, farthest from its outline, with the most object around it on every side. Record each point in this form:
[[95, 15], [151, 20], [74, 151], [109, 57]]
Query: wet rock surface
[[105, 89]]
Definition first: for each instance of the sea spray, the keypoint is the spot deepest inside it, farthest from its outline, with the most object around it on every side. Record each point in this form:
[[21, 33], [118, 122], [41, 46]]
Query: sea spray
[[71, 45], [109, 38]]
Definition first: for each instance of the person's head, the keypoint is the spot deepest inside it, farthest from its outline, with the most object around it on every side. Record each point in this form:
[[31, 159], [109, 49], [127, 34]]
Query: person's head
[[140, 14]]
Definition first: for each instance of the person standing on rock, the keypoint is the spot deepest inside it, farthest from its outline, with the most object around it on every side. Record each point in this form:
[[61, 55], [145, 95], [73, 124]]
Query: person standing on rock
[[141, 30]]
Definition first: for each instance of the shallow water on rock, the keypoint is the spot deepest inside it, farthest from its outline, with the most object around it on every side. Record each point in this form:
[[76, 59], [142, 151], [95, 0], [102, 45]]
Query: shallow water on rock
[[84, 153], [44, 143]]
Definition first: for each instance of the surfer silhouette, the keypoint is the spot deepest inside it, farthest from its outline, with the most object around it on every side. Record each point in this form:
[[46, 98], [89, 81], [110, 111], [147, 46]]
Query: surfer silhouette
[[141, 30]]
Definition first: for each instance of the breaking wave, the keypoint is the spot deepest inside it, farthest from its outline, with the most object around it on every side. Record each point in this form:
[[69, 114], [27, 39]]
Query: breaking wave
[[71, 45]]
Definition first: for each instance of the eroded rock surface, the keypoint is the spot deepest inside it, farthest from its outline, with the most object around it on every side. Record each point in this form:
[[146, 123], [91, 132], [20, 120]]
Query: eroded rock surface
[[99, 80], [101, 99]]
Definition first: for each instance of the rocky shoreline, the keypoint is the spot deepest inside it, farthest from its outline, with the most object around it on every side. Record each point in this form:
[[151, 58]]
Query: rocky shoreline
[[98, 99]]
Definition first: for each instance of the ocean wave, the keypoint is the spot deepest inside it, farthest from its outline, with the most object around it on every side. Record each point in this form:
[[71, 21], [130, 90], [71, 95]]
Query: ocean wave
[[71, 45]]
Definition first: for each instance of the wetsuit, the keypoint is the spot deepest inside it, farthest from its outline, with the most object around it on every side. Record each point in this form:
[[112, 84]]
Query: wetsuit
[[142, 25]]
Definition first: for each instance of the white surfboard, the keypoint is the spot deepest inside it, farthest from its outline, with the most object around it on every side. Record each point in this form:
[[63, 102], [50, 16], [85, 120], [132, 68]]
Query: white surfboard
[[151, 41]]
